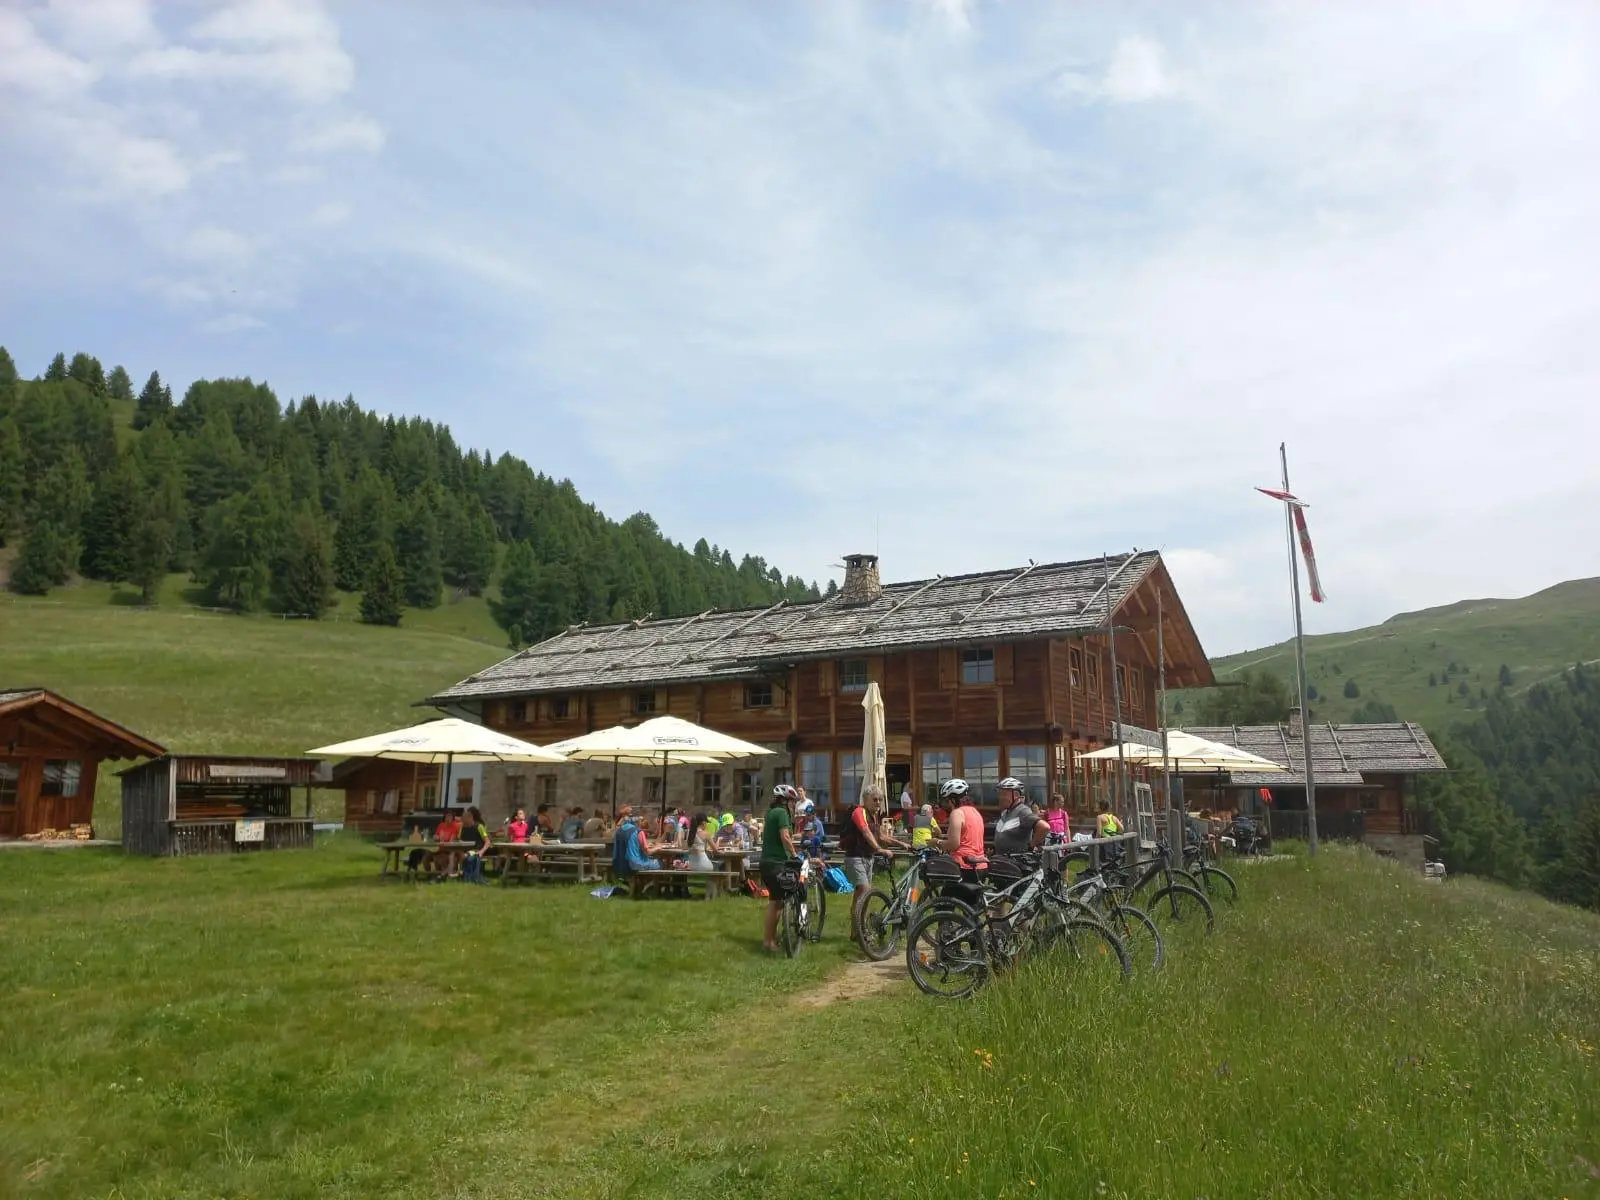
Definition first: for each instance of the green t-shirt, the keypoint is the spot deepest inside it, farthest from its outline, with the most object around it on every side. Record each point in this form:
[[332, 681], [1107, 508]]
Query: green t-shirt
[[772, 849]]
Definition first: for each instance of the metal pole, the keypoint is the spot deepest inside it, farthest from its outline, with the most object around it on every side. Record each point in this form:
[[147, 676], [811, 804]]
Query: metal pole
[[1300, 658], [1161, 705], [614, 762], [1116, 696]]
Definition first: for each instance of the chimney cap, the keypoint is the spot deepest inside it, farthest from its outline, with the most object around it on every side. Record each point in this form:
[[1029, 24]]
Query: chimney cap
[[860, 560]]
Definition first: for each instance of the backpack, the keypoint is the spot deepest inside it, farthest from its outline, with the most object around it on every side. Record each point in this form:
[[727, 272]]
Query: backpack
[[835, 880]]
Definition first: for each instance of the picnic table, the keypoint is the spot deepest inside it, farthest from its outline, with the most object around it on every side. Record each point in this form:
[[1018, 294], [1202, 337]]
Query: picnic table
[[587, 862], [393, 851], [713, 883]]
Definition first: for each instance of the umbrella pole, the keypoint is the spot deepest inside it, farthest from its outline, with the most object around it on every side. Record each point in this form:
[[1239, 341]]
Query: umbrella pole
[[444, 791], [614, 762], [663, 785]]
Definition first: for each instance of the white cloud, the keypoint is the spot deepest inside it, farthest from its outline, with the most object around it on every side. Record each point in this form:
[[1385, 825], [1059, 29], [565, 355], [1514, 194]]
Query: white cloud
[[1137, 72], [233, 323], [212, 245], [360, 133], [30, 63], [103, 26], [332, 213]]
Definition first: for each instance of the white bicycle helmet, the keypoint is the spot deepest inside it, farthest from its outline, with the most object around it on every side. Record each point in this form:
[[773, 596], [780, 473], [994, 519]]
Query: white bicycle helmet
[[954, 789], [786, 792], [1011, 784]]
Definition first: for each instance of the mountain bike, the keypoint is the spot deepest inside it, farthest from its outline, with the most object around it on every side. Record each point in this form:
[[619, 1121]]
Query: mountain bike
[[1216, 883], [804, 908], [879, 917], [1177, 902], [1139, 933]]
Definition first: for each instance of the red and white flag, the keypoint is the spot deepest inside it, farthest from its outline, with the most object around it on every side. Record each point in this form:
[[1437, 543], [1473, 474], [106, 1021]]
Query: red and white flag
[[1298, 508]]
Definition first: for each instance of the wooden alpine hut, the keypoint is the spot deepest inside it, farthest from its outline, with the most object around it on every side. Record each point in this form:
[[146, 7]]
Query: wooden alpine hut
[[181, 804]]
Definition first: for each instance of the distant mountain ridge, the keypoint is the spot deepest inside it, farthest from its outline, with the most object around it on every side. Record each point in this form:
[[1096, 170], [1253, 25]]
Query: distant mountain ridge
[[1438, 666]]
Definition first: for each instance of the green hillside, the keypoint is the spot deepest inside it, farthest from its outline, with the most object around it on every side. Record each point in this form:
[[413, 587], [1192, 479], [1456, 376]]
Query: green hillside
[[228, 684], [1536, 637]]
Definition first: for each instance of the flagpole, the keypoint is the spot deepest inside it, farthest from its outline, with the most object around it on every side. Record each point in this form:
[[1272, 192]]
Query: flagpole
[[1300, 657]]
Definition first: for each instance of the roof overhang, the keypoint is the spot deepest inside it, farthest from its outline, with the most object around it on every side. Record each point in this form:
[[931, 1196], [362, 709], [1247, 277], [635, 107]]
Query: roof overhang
[[57, 715]]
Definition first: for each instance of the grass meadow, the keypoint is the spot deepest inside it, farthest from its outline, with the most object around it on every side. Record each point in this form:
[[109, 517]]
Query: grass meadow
[[288, 1025]]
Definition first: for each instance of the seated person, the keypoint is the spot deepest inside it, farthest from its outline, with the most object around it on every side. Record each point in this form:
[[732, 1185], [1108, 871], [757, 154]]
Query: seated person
[[544, 822], [630, 851], [517, 827], [595, 827], [699, 858], [572, 827], [448, 830], [476, 834]]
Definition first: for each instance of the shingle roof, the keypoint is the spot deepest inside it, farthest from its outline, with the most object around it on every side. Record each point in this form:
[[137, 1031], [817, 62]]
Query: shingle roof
[[1341, 754], [1044, 600]]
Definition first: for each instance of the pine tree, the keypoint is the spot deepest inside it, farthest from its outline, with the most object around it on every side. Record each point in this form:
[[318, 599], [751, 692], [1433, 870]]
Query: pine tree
[[86, 369], [118, 386], [11, 480], [51, 550], [56, 372], [246, 538], [1351, 691], [109, 525], [154, 404], [516, 609], [304, 585], [365, 524], [8, 377], [380, 598], [1505, 675], [417, 543], [40, 565]]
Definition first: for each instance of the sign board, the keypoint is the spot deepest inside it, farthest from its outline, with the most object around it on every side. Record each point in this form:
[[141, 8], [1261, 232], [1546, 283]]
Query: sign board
[[1135, 735], [249, 831], [245, 771]]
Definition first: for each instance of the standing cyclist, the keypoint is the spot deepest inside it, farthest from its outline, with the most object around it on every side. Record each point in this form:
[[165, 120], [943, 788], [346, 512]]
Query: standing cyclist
[[1018, 827], [857, 842], [963, 839], [777, 853]]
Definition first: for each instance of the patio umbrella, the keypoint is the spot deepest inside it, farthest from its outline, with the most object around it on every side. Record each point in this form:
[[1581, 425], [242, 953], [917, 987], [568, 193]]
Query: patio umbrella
[[666, 740], [601, 746], [448, 740], [874, 753], [1187, 752]]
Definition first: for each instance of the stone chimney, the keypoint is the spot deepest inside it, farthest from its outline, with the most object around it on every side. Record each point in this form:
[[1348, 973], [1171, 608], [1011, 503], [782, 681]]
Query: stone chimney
[[861, 582], [1294, 722]]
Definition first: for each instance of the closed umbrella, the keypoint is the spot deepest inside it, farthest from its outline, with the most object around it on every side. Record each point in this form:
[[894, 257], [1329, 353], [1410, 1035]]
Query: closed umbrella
[[874, 752]]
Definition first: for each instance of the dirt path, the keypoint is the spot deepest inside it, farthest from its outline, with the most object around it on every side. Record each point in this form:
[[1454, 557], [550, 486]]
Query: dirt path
[[854, 981]]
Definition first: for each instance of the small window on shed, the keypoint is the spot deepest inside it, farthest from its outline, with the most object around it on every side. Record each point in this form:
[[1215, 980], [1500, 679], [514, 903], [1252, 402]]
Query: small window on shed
[[758, 695], [644, 702], [977, 666], [61, 777]]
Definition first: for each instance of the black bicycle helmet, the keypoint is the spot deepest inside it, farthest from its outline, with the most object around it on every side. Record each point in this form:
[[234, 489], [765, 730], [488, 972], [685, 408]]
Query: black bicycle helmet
[[954, 789]]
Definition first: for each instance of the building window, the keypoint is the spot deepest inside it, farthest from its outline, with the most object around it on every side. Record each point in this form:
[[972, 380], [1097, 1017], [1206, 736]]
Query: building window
[[602, 793], [517, 712], [430, 795], [61, 777], [782, 775], [516, 791], [1122, 681], [464, 789], [644, 702], [853, 675], [758, 695], [709, 786], [1092, 673], [10, 781], [980, 767], [1136, 689], [560, 707], [750, 790], [851, 777], [977, 666], [938, 767], [1027, 763], [816, 776], [651, 791], [545, 786], [1075, 666]]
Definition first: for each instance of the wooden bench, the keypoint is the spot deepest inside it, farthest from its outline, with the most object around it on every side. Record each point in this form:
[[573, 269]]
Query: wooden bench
[[711, 883]]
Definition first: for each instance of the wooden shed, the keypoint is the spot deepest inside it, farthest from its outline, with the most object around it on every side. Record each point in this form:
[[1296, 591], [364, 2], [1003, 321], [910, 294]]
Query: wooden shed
[[50, 755], [216, 804]]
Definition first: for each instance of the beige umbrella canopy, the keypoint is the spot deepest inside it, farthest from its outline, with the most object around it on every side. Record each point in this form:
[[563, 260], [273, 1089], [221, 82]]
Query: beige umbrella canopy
[[873, 743], [448, 740], [602, 746], [1186, 752], [663, 741]]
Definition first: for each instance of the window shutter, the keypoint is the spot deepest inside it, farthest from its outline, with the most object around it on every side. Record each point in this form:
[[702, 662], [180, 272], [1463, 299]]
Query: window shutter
[[625, 704], [949, 669], [826, 675], [875, 669], [1004, 664], [737, 699]]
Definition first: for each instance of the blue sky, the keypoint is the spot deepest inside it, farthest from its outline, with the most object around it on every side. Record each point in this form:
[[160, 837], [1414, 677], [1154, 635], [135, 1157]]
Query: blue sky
[[969, 283]]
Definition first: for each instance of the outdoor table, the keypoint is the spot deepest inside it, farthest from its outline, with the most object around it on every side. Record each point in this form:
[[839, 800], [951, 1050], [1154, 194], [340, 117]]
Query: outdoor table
[[393, 852], [585, 856]]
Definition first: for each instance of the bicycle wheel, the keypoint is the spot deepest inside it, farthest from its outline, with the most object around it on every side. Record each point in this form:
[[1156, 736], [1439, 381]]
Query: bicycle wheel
[[1088, 945], [1181, 906], [876, 924], [1217, 884], [1139, 934], [791, 924], [945, 953], [816, 908]]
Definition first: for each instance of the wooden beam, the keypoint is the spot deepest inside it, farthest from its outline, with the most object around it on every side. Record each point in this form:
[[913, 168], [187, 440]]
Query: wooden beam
[[996, 592]]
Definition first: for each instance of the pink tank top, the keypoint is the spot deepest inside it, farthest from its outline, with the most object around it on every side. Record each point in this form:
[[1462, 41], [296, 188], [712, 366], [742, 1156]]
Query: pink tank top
[[969, 851]]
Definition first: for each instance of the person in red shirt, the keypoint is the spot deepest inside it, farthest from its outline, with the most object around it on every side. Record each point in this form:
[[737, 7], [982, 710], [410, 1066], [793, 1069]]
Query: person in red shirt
[[448, 830], [857, 841]]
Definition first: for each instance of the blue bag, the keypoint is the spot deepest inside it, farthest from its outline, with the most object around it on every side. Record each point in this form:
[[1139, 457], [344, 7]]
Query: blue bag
[[835, 880]]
